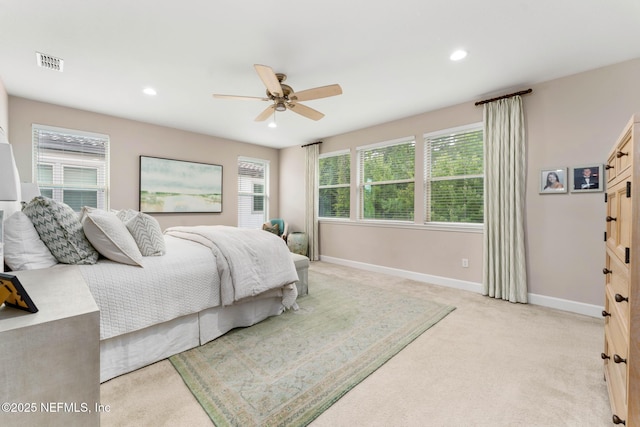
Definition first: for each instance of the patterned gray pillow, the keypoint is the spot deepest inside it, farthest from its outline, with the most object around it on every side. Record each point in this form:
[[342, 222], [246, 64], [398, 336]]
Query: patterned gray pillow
[[61, 231], [145, 230]]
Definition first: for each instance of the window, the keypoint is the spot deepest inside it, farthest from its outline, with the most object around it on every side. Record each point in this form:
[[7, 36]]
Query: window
[[258, 201], [72, 166], [387, 180], [334, 185], [454, 175], [253, 192]]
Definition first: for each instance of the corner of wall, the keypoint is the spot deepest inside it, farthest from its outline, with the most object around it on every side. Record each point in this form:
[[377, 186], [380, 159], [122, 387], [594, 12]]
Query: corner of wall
[[291, 185], [4, 107]]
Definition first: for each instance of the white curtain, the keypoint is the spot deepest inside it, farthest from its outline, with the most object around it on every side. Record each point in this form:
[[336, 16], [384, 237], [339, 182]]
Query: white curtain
[[311, 202], [505, 268]]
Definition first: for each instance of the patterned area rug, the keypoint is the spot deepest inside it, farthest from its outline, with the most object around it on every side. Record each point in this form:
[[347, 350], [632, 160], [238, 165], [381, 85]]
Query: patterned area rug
[[288, 369]]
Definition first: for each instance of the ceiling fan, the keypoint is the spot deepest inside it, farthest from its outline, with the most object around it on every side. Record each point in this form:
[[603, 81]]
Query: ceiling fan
[[283, 97]]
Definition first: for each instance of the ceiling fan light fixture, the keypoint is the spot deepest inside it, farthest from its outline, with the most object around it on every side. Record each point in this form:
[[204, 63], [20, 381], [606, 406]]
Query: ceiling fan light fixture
[[272, 124], [458, 55], [280, 106]]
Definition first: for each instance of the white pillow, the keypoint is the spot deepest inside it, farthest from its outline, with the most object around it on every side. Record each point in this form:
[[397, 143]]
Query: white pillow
[[110, 236], [23, 249]]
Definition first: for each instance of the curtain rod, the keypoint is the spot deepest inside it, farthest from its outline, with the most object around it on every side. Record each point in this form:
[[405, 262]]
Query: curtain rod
[[311, 143], [522, 92]]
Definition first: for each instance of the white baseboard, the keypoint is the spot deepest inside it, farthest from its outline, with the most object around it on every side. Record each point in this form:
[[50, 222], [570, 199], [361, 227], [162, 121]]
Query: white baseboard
[[566, 305], [542, 300]]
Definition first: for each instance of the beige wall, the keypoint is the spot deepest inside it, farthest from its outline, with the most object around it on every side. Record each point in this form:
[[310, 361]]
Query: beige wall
[[571, 121], [130, 139], [292, 187]]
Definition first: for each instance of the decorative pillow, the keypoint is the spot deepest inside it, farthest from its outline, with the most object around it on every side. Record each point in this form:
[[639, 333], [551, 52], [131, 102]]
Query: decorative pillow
[[110, 236], [61, 231], [145, 230], [23, 249], [267, 226]]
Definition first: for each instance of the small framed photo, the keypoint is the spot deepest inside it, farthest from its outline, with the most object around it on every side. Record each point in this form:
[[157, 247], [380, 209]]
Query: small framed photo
[[553, 180], [12, 294], [586, 178]]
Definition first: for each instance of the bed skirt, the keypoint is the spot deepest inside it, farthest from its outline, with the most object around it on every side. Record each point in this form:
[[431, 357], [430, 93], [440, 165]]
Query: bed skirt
[[125, 353]]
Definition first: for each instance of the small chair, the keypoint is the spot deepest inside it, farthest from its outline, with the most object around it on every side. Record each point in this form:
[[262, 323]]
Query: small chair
[[283, 227]]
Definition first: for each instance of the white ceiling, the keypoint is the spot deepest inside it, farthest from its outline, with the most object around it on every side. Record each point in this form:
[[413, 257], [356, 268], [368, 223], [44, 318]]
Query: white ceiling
[[391, 58]]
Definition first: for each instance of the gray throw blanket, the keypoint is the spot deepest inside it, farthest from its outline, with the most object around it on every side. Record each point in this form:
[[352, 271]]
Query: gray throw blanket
[[250, 262]]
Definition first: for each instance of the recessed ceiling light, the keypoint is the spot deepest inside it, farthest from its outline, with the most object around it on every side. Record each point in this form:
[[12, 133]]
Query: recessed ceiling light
[[458, 55], [149, 91]]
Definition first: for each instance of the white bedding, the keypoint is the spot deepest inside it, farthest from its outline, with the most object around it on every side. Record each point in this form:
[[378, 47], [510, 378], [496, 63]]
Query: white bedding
[[204, 267], [250, 262], [131, 298]]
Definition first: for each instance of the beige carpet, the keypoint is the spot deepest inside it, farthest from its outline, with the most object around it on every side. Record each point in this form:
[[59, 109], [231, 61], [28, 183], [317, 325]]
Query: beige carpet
[[488, 363]]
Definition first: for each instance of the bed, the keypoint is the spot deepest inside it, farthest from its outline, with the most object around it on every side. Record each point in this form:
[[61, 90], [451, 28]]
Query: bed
[[159, 293]]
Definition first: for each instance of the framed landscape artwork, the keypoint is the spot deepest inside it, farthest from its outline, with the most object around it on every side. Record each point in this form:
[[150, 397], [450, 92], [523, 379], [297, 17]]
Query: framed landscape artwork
[[178, 186], [587, 178], [553, 180]]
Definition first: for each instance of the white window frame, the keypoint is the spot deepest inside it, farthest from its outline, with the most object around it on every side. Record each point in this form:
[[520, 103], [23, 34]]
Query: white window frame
[[347, 185], [243, 193], [62, 160], [361, 184], [427, 175]]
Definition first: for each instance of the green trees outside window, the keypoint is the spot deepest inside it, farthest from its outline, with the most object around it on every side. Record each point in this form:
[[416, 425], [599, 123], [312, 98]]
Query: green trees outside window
[[454, 185], [453, 165], [334, 186], [387, 183]]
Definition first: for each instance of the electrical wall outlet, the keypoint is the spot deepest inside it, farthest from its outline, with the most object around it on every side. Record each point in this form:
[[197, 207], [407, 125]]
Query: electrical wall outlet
[[465, 262]]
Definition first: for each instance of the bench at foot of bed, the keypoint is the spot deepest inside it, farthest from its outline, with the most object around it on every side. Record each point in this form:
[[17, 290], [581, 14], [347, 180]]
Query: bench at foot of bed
[[302, 267]]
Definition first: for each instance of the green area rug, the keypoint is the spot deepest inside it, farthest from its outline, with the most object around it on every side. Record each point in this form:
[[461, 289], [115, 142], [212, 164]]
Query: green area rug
[[288, 369]]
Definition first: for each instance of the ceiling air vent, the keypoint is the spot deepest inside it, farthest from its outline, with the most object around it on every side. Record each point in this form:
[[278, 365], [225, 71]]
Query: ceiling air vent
[[49, 62]]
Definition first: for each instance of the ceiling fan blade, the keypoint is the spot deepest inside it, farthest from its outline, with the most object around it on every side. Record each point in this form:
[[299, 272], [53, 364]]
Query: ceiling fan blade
[[316, 93], [242, 98], [303, 110], [269, 79], [265, 114]]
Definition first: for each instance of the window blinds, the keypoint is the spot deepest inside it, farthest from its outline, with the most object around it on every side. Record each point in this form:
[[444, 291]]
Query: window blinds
[[454, 177], [71, 166], [334, 185], [387, 181]]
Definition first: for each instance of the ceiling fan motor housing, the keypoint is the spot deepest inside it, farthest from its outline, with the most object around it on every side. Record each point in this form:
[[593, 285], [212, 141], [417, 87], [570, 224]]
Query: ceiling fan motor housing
[[286, 91], [284, 98]]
